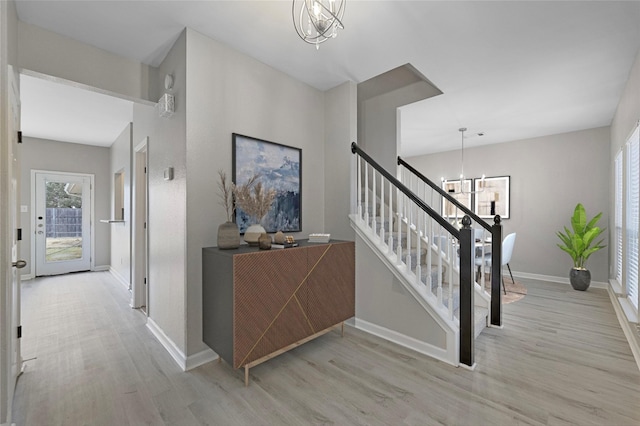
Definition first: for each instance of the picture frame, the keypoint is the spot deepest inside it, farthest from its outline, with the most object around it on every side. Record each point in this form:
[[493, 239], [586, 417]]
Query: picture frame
[[280, 168], [492, 197], [454, 188]]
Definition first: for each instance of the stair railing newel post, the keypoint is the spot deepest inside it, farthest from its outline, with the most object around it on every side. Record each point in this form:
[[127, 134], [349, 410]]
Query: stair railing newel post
[[467, 334], [496, 272]]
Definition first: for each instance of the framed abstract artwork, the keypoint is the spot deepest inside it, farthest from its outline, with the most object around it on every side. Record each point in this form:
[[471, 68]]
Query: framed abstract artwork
[[279, 167], [461, 191], [492, 197]]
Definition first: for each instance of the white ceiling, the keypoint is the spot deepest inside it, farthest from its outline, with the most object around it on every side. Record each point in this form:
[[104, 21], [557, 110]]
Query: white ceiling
[[510, 69]]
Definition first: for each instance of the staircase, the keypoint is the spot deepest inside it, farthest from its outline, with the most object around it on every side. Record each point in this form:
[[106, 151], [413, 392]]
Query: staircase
[[431, 257]]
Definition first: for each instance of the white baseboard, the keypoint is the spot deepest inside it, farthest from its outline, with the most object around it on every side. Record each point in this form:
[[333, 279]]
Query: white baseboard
[[629, 333], [26, 277], [404, 340], [175, 352], [201, 358], [122, 280], [185, 363], [553, 279], [101, 268]]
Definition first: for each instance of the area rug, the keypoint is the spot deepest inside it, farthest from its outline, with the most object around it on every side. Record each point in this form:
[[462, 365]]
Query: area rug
[[515, 290]]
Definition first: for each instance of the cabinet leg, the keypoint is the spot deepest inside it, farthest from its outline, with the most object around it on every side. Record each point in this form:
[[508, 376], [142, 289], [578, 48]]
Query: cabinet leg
[[342, 328], [246, 375]]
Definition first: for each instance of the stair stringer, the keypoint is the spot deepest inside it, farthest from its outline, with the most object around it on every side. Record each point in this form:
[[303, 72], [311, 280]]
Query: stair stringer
[[425, 298]]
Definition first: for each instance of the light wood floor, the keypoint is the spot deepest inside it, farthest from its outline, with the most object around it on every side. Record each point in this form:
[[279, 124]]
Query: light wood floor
[[561, 359]]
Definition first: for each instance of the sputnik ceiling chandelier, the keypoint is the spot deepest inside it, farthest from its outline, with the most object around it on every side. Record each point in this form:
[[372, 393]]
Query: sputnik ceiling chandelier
[[316, 21]]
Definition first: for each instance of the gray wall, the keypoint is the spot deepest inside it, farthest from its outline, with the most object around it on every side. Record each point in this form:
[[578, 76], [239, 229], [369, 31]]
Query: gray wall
[[382, 300], [56, 55], [230, 92], [624, 121], [340, 129], [120, 155], [549, 176], [627, 113], [378, 124], [168, 205], [41, 154]]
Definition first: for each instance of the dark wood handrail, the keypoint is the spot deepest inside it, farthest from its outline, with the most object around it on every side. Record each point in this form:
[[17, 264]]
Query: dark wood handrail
[[444, 193], [406, 191]]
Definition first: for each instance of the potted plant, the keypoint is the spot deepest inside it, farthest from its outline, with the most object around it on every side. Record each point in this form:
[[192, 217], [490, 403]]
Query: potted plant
[[228, 233], [255, 201], [579, 243]]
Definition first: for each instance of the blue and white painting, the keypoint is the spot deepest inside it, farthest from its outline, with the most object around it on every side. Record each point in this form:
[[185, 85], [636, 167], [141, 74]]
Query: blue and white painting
[[279, 167]]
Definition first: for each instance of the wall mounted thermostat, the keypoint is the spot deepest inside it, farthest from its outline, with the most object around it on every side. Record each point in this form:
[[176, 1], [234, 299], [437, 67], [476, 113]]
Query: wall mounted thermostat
[[168, 173]]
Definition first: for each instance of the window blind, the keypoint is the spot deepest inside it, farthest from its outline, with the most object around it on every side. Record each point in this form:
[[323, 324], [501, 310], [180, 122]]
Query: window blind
[[632, 217]]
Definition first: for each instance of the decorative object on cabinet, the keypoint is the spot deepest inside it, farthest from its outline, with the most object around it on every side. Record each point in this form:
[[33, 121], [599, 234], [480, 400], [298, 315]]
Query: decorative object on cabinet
[[280, 169], [278, 237], [228, 233], [494, 197], [256, 202], [264, 242], [258, 304], [319, 238]]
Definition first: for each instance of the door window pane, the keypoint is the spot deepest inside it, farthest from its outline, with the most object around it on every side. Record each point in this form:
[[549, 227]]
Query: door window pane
[[63, 221]]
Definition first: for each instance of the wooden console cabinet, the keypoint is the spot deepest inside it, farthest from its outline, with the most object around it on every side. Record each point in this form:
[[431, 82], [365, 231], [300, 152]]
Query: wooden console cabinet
[[257, 304]]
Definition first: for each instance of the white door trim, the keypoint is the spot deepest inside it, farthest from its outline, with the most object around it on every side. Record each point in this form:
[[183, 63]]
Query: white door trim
[[140, 291], [32, 209]]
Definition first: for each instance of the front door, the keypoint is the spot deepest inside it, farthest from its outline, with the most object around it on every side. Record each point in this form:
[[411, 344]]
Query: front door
[[62, 222]]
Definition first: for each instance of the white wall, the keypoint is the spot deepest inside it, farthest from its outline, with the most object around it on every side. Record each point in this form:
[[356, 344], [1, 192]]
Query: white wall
[[120, 162], [230, 92], [340, 130], [56, 55], [42, 154], [549, 176], [167, 207]]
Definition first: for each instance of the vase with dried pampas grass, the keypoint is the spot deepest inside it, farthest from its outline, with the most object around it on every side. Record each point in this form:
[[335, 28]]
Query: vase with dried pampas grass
[[255, 200], [228, 233]]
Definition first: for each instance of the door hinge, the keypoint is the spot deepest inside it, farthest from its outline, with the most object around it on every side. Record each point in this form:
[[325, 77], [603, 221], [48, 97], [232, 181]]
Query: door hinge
[[145, 169], [145, 225], [19, 136], [19, 331], [19, 236], [145, 280]]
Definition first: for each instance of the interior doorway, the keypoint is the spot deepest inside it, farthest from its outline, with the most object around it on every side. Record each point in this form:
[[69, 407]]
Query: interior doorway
[[62, 222]]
